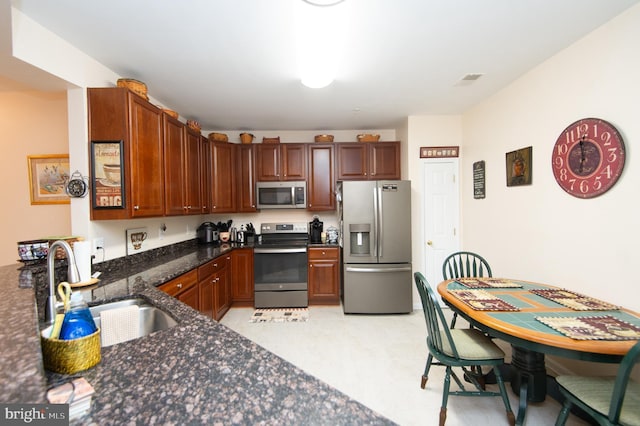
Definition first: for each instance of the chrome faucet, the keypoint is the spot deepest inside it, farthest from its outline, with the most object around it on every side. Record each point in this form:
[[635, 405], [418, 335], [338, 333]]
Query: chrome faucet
[[73, 276]]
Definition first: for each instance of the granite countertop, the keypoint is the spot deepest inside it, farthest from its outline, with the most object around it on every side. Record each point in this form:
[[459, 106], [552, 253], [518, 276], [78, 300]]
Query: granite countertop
[[198, 372]]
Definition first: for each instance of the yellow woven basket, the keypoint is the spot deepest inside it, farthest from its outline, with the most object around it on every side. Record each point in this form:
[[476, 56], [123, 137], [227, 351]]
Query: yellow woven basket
[[218, 137], [367, 137], [134, 85], [71, 356], [323, 138], [246, 138]]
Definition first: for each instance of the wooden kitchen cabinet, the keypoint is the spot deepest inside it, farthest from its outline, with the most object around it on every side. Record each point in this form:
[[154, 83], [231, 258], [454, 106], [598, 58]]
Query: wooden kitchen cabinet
[[324, 275], [222, 177], [242, 277], [321, 178], [184, 288], [222, 300], [281, 162], [245, 178], [368, 161], [117, 114], [214, 282], [182, 165]]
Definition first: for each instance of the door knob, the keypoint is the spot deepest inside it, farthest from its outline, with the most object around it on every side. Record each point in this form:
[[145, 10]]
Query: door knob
[[429, 243]]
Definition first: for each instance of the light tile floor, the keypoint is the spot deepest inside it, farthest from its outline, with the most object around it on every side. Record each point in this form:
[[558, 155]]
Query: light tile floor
[[378, 360]]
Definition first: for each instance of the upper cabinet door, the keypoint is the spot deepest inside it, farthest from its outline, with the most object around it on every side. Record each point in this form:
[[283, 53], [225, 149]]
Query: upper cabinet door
[[321, 182], [353, 161], [245, 178], [192, 176], [222, 162], [268, 162], [173, 164], [146, 154], [384, 160], [293, 161]]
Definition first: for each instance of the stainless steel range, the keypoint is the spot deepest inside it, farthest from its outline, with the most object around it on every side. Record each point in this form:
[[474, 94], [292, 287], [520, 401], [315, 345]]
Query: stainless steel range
[[280, 266]]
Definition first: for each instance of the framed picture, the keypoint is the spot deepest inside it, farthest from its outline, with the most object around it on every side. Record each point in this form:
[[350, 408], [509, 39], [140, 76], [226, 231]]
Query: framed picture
[[107, 163], [136, 240], [519, 165], [48, 177]]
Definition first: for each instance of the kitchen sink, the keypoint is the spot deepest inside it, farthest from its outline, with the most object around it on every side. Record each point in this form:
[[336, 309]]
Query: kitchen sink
[[152, 319]]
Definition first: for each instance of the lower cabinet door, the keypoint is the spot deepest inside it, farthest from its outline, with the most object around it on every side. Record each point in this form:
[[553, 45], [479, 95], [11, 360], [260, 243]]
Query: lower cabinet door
[[206, 287], [191, 297]]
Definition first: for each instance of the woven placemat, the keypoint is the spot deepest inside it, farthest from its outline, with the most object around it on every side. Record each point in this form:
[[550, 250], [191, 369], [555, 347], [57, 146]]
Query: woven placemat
[[481, 300], [603, 327], [487, 282], [573, 300]]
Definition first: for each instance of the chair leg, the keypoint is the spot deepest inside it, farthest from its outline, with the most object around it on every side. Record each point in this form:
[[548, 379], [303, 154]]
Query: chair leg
[[564, 413], [505, 398], [445, 395], [453, 320], [427, 367]]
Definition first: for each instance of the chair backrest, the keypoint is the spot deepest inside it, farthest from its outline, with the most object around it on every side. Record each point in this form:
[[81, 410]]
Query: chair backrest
[[465, 264], [436, 323], [622, 379]]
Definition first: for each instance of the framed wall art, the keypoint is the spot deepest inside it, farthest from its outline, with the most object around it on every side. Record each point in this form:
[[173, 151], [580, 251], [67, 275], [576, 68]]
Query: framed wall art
[[107, 164], [518, 166], [48, 177]]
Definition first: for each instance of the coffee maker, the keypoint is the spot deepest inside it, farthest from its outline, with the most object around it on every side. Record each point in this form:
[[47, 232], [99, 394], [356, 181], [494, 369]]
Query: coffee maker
[[315, 231]]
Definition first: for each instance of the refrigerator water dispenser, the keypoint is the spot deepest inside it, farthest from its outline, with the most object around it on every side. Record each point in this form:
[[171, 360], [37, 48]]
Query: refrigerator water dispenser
[[359, 238]]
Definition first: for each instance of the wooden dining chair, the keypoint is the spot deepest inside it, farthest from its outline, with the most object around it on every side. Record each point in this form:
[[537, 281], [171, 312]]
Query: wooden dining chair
[[464, 264], [608, 400], [464, 348]]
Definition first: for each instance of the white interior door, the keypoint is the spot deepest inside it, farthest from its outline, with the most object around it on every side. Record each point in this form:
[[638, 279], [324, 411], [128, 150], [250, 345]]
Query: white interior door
[[441, 214]]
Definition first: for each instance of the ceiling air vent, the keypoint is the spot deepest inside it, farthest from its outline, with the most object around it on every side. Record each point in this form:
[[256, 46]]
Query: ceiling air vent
[[468, 79]]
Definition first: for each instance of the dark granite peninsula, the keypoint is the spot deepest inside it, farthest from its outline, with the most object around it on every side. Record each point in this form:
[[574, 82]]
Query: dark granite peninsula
[[198, 372]]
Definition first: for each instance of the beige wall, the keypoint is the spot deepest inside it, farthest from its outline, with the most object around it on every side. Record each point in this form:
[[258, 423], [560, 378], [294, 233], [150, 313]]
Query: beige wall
[[538, 231], [32, 123]]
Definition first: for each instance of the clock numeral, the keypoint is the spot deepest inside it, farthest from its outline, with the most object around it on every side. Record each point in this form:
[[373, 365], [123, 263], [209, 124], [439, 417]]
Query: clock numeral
[[563, 149], [582, 130], [584, 186], [597, 184], [607, 171], [613, 154], [606, 138], [558, 162], [563, 175]]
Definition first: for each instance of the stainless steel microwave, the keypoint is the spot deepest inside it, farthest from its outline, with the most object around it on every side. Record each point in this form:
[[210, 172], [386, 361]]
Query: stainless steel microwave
[[282, 195]]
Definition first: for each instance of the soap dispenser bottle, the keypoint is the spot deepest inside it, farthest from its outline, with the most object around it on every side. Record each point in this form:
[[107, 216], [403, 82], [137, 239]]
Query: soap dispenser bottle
[[78, 321]]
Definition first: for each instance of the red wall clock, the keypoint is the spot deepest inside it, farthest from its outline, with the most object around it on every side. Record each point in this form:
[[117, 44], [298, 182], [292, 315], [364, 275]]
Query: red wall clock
[[588, 157]]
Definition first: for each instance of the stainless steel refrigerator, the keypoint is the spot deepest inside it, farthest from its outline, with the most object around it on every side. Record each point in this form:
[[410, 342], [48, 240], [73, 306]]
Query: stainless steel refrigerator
[[376, 235]]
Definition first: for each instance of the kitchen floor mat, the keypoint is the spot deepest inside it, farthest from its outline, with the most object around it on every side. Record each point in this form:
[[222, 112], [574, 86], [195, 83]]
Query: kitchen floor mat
[[280, 315]]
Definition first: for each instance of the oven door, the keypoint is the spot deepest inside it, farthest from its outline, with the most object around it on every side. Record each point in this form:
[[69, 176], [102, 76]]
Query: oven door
[[280, 276]]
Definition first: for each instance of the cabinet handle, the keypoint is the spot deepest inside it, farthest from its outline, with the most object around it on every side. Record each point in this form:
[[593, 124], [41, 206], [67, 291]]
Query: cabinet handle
[[179, 285], [324, 253], [136, 207], [215, 264]]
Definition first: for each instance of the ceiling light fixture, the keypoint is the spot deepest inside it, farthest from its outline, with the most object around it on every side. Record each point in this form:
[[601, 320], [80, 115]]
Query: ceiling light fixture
[[320, 38]]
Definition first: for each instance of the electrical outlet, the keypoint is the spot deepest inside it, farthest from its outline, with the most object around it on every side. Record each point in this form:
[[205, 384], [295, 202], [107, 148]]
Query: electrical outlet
[[98, 243]]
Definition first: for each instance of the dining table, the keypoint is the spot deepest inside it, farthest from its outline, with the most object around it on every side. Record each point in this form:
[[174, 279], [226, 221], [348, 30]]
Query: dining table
[[538, 319]]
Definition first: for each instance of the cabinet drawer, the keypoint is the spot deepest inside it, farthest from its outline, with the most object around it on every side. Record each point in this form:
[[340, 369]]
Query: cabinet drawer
[[323, 253], [180, 284], [212, 267]]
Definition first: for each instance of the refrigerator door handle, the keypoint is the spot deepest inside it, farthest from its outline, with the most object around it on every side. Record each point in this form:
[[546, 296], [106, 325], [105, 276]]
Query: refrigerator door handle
[[392, 269], [376, 223], [380, 222]]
